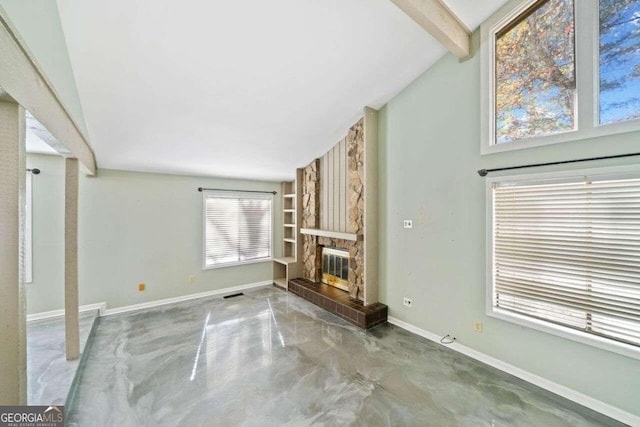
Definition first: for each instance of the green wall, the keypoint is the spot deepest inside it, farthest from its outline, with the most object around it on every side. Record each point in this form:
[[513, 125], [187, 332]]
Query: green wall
[[39, 25], [429, 155], [133, 228]]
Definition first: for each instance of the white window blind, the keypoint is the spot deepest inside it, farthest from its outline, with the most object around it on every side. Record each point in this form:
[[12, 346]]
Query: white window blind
[[237, 229], [569, 253]]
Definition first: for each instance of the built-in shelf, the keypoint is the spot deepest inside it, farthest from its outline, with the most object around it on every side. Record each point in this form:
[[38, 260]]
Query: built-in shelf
[[289, 265], [331, 234], [282, 282], [285, 260]]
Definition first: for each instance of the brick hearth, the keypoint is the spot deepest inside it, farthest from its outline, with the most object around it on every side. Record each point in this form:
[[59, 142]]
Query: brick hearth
[[340, 303]]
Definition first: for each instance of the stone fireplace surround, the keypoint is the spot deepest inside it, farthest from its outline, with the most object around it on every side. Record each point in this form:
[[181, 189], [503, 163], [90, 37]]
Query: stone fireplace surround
[[313, 263], [312, 248], [348, 305]]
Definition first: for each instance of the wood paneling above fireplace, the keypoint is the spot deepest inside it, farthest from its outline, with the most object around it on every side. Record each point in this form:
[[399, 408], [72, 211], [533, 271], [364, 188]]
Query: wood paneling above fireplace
[[335, 197]]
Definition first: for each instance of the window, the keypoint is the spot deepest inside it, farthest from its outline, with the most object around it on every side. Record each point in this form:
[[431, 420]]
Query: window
[[619, 24], [565, 255], [28, 230], [560, 70], [237, 229], [536, 100]]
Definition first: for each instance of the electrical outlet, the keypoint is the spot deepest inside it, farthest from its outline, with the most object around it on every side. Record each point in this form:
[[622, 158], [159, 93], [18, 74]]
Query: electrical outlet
[[407, 302], [191, 278], [477, 326], [408, 223]]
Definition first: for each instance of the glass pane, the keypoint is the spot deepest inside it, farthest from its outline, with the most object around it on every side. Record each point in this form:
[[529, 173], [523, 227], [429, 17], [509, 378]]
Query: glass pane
[[535, 73], [237, 229], [332, 264], [619, 60], [325, 264], [254, 232], [221, 231], [345, 268]]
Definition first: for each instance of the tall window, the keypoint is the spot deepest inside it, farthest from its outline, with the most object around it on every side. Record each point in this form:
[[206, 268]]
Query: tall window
[[535, 73], [560, 70], [619, 60], [566, 252], [237, 229]]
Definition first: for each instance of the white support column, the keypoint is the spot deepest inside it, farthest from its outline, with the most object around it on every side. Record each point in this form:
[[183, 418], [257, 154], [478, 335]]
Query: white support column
[[71, 305], [13, 170]]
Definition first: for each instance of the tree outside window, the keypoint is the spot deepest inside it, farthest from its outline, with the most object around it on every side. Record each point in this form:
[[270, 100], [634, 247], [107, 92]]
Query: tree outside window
[[535, 72]]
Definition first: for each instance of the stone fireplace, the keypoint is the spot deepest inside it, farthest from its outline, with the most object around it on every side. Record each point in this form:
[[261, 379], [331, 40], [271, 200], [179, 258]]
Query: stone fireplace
[[312, 177], [338, 228]]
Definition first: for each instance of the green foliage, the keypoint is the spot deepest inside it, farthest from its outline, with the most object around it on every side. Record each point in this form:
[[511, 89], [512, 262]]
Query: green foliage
[[535, 73], [535, 68]]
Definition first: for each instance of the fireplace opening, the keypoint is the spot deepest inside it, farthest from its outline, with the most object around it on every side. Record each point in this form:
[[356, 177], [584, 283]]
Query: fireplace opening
[[335, 267]]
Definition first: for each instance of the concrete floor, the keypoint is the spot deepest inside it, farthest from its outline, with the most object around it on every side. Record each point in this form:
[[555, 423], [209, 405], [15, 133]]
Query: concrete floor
[[49, 374], [271, 358]]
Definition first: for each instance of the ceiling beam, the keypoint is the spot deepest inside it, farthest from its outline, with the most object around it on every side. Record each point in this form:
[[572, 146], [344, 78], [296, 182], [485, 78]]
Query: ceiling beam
[[440, 22], [24, 81]]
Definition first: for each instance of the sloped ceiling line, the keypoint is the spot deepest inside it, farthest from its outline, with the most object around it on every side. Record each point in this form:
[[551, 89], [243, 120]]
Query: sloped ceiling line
[[249, 89], [21, 77]]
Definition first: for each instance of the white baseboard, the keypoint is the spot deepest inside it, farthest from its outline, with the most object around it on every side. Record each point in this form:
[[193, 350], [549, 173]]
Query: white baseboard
[[101, 307], [224, 291], [582, 399]]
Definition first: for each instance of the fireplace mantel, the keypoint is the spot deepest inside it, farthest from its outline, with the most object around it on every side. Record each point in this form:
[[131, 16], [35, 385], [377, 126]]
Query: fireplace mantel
[[331, 234]]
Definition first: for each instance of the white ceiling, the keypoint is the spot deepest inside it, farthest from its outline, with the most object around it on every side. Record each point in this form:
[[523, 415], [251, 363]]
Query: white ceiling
[[35, 144], [38, 138], [246, 89], [473, 12]]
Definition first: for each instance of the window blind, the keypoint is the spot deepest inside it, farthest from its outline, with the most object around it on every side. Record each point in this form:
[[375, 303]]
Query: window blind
[[237, 229], [569, 253]]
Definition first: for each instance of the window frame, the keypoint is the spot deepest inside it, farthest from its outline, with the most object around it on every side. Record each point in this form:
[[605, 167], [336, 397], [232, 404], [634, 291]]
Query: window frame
[[233, 195], [613, 172], [28, 230], [587, 66]]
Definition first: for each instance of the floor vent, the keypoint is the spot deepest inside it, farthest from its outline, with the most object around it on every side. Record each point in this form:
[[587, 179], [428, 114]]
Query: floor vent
[[233, 295]]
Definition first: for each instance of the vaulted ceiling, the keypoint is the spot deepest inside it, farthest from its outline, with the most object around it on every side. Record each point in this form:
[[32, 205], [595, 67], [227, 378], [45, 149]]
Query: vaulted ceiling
[[246, 89]]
